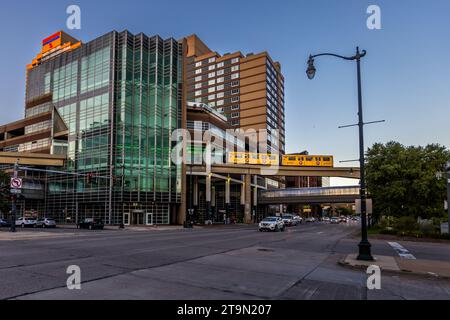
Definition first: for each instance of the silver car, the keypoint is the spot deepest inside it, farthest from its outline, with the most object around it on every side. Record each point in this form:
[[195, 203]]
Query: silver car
[[45, 223], [272, 224]]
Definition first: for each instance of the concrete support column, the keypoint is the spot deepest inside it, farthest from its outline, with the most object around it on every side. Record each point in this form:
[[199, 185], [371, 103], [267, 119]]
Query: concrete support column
[[227, 196], [208, 196], [195, 192], [248, 199]]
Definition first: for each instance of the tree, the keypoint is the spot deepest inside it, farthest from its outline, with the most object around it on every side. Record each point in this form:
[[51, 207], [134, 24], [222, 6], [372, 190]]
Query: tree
[[4, 192], [402, 180]]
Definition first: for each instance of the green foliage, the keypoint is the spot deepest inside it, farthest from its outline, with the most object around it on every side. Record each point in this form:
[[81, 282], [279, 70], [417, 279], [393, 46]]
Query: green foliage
[[402, 180]]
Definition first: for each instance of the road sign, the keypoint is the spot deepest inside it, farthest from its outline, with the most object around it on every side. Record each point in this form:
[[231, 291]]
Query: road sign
[[16, 191], [16, 183]]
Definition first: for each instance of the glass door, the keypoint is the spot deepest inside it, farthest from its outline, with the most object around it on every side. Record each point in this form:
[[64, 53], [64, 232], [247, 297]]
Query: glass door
[[126, 219], [149, 219]]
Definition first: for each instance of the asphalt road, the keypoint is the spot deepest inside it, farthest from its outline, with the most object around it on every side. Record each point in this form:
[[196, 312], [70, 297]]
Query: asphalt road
[[234, 262]]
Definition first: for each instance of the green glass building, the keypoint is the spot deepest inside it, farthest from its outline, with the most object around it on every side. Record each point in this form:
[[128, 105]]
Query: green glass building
[[119, 97]]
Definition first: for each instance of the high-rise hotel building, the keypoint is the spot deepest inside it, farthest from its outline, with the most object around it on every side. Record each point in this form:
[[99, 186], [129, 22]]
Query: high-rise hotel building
[[247, 89]]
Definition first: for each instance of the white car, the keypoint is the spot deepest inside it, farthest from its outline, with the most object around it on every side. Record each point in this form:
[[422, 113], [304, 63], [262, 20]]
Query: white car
[[310, 219], [25, 222], [298, 219], [272, 224]]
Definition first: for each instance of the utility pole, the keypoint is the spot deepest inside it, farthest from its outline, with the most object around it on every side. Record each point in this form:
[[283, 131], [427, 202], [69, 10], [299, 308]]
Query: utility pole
[[448, 193]]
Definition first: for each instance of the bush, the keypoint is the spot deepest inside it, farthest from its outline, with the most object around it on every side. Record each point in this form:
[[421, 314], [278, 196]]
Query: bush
[[406, 224]]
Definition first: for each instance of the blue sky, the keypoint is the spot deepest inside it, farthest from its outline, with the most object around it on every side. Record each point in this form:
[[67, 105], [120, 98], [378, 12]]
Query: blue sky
[[406, 74]]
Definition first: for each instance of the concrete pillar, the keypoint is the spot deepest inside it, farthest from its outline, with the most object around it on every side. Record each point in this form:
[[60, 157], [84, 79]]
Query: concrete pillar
[[213, 196], [248, 199], [227, 196], [208, 196], [195, 192], [243, 191]]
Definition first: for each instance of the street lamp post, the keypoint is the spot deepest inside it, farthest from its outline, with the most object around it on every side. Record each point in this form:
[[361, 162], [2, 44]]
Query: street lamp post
[[447, 167], [364, 245]]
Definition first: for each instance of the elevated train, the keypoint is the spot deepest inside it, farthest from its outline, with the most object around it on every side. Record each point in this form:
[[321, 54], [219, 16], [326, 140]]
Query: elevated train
[[291, 160]]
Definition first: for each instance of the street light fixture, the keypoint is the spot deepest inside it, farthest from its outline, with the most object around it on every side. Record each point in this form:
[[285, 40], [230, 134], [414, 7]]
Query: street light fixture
[[364, 245]]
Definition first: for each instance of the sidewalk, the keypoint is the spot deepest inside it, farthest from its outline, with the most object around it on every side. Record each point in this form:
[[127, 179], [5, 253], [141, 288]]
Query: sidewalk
[[420, 267]]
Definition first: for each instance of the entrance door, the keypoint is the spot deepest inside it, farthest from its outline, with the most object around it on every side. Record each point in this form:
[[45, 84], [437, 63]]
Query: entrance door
[[149, 218], [138, 217], [126, 219]]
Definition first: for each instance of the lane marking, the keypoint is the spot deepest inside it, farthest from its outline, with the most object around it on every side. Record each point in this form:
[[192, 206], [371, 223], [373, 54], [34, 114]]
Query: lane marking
[[402, 252]]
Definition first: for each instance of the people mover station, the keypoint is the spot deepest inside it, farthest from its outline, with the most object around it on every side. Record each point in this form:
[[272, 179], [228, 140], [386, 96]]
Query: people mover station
[[97, 137]]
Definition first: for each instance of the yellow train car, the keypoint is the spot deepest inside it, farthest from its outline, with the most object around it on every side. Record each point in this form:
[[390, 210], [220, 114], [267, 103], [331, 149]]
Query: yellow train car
[[253, 158], [308, 161]]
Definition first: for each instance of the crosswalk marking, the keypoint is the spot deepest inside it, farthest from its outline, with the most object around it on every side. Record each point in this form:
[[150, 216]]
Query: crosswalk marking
[[402, 252]]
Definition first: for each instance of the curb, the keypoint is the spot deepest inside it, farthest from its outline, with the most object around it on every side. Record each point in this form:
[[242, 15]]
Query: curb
[[342, 263]]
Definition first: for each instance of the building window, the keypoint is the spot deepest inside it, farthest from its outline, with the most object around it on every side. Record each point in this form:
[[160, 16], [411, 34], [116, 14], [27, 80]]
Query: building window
[[234, 68], [220, 80], [235, 107], [235, 91], [220, 103], [220, 72], [198, 85], [212, 97], [220, 64], [235, 123], [234, 99], [213, 59], [212, 67], [211, 75], [235, 60], [234, 83], [211, 82], [199, 78], [198, 93], [220, 95], [198, 64], [220, 88], [212, 89], [235, 115], [198, 71], [198, 100], [235, 76]]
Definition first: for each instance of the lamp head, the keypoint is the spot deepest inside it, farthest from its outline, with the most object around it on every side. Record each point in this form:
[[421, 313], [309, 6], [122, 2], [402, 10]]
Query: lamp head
[[311, 71]]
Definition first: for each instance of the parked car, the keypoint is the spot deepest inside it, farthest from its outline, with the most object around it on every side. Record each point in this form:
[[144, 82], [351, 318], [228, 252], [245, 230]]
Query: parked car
[[4, 223], [335, 220], [288, 220], [45, 223], [272, 224], [91, 224], [326, 219], [310, 219], [25, 222]]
